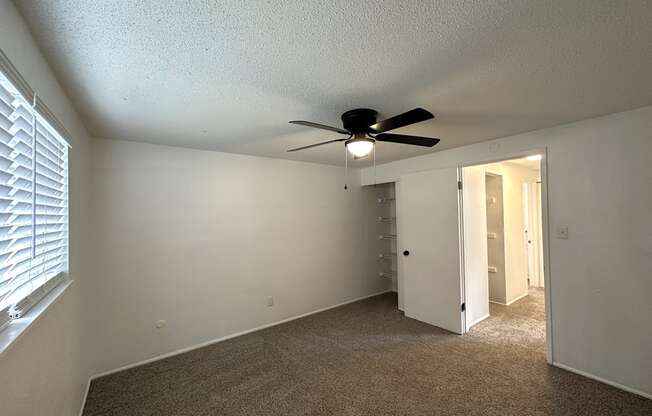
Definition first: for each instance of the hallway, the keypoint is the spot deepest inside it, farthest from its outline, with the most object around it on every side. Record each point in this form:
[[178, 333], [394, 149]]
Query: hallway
[[521, 323]]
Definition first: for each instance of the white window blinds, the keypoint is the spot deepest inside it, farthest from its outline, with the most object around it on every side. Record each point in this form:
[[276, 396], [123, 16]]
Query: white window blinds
[[33, 204]]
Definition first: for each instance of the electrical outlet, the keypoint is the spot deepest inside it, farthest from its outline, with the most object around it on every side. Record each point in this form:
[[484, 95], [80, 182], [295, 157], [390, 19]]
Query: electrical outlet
[[270, 301]]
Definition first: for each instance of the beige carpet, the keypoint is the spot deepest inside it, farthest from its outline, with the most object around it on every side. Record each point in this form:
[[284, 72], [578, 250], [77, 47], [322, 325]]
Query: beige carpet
[[366, 358]]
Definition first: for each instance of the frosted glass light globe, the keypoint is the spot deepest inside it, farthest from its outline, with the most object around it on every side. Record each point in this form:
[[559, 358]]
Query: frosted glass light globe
[[360, 148]]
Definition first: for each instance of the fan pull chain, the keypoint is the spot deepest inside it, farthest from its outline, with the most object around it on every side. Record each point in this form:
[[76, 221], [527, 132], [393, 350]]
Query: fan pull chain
[[375, 164], [346, 167]]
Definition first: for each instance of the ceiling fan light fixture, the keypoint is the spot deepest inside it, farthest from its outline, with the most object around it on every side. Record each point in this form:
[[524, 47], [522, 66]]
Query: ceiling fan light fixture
[[360, 147]]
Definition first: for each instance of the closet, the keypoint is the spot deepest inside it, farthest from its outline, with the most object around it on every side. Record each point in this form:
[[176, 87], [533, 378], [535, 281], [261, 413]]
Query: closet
[[387, 234]]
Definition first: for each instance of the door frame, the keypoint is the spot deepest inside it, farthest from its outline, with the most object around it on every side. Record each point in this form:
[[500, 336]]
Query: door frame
[[545, 226]]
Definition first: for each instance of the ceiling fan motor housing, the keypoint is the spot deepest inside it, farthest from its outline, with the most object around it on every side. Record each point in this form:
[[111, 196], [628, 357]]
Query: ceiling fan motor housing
[[359, 120]]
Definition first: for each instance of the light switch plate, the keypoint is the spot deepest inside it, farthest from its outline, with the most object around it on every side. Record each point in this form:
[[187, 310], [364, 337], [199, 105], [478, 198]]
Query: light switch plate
[[562, 232]]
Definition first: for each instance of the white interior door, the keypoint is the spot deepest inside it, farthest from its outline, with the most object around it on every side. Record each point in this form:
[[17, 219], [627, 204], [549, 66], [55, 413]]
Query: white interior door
[[429, 230], [537, 235], [529, 233], [534, 234], [476, 258]]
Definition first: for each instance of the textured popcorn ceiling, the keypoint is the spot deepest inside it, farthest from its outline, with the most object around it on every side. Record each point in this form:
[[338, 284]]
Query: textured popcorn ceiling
[[229, 75]]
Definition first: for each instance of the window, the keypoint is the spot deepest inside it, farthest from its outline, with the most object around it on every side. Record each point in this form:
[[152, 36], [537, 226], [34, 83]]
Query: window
[[33, 204]]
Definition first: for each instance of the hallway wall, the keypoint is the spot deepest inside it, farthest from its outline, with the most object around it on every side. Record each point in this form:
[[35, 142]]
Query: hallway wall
[[515, 253], [496, 246]]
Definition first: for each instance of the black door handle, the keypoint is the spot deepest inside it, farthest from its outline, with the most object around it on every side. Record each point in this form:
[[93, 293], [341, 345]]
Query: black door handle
[[406, 253]]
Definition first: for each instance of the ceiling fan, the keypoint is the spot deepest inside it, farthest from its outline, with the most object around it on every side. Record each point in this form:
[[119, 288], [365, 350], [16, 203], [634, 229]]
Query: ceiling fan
[[364, 131]]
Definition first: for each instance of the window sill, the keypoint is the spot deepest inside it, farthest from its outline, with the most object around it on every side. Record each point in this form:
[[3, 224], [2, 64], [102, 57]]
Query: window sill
[[20, 326]]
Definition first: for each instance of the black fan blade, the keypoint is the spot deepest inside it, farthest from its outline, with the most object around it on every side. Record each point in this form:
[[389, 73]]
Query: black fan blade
[[413, 116], [315, 145], [401, 138], [319, 126]]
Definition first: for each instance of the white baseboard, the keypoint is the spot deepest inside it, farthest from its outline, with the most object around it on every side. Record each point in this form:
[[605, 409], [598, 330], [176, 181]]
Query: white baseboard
[[602, 380], [83, 404], [482, 318], [216, 340], [511, 301], [518, 298]]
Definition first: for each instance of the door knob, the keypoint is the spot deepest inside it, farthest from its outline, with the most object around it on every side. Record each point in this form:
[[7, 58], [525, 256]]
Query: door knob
[[406, 253]]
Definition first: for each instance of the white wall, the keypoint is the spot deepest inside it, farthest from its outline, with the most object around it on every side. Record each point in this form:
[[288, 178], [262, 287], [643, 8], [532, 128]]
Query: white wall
[[513, 178], [599, 176], [43, 373], [200, 239], [496, 246]]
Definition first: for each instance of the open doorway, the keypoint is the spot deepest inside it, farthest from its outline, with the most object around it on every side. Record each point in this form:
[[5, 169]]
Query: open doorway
[[443, 248], [503, 246]]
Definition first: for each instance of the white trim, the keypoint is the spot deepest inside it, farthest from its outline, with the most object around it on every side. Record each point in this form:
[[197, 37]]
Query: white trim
[[511, 301], [545, 239], [20, 326], [226, 337], [603, 380], [518, 298], [83, 403], [477, 321], [460, 238]]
